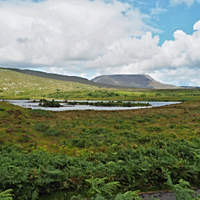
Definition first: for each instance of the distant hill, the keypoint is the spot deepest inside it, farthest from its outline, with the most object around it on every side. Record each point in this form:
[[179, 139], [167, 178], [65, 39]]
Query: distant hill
[[65, 78], [18, 85], [133, 80], [190, 87], [106, 81]]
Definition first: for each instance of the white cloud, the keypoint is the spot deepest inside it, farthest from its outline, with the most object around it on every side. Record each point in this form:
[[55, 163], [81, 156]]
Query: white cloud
[[181, 76], [55, 32], [158, 9], [188, 2], [9, 53], [143, 55], [82, 37], [197, 26]]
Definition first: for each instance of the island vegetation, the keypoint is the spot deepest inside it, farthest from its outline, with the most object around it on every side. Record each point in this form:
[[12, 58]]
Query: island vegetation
[[46, 103], [108, 103], [53, 103]]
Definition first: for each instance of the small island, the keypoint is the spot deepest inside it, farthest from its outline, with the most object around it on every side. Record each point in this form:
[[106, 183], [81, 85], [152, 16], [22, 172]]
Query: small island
[[46, 103], [53, 103], [109, 104]]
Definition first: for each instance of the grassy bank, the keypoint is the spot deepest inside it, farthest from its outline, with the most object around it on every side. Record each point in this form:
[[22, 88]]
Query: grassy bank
[[97, 129], [85, 144]]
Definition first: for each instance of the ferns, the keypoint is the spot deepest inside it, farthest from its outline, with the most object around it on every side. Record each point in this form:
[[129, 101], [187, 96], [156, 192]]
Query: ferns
[[130, 195], [101, 191], [99, 186], [6, 195], [180, 190], [39, 173]]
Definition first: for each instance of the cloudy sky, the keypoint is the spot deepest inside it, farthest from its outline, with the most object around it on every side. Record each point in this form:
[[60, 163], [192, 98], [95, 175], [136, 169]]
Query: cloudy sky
[[94, 37]]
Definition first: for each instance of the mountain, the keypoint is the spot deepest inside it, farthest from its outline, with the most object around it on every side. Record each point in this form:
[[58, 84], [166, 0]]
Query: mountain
[[190, 87], [64, 78], [132, 80], [106, 81]]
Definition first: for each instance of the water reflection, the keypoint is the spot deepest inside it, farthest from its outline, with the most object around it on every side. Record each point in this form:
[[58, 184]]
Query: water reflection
[[34, 105]]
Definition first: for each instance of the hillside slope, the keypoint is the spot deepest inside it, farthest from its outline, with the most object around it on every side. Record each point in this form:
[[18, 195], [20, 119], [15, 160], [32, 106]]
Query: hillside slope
[[133, 80], [64, 78], [14, 84]]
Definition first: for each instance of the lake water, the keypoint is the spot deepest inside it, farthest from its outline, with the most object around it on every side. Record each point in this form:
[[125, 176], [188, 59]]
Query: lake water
[[32, 105]]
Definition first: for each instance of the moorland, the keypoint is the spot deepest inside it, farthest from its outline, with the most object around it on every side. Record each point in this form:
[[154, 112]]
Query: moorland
[[110, 154]]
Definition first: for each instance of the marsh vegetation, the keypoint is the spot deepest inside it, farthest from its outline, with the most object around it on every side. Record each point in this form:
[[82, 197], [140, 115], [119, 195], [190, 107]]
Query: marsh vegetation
[[57, 155], [47, 152]]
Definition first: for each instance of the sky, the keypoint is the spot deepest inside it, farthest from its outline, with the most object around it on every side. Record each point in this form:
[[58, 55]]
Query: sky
[[89, 38]]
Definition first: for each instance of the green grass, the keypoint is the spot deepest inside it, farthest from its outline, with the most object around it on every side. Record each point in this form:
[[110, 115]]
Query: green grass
[[129, 95], [78, 130], [14, 85]]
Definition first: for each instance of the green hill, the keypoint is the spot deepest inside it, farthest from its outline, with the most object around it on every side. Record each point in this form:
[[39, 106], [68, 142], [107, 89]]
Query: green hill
[[65, 78], [15, 84]]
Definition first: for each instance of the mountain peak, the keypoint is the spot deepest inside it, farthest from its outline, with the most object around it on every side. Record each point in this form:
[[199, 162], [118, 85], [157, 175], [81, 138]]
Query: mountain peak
[[132, 80]]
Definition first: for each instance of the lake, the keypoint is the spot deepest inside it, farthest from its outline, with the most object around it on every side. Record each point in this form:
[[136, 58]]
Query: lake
[[34, 105]]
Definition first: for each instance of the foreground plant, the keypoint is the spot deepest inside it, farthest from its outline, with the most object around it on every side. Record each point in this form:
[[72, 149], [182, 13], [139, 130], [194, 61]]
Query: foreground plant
[[98, 186], [180, 190], [101, 191], [6, 195]]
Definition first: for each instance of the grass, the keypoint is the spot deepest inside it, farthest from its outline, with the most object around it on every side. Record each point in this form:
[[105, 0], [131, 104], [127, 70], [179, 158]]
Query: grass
[[14, 85], [76, 130]]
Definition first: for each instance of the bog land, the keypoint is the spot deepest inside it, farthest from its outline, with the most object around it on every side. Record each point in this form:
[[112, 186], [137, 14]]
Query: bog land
[[56, 155]]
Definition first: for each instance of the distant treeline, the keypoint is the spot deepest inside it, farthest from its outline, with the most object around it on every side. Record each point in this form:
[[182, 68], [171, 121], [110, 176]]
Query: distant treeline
[[82, 93]]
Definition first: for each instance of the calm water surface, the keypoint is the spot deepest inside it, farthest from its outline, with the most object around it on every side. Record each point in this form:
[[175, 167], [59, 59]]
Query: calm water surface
[[32, 105]]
